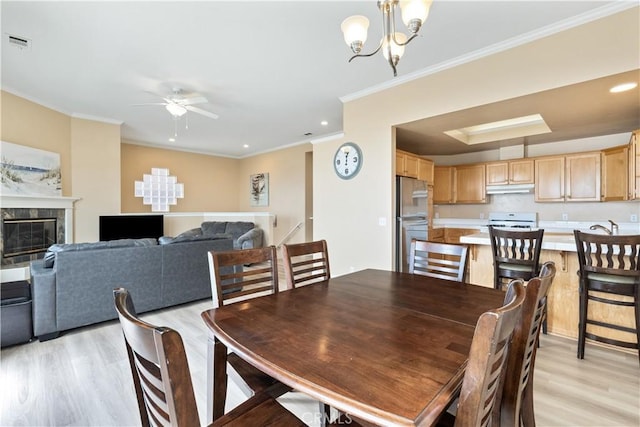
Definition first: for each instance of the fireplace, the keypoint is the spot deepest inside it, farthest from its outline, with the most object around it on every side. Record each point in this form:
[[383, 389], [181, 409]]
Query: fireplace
[[27, 236], [38, 222]]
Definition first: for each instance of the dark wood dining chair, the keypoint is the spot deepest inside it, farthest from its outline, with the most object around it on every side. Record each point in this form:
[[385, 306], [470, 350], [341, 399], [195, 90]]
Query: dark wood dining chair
[[487, 359], [516, 255], [440, 260], [610, 267], [305, 263], [516, 402], [162, 379], [231, 282]]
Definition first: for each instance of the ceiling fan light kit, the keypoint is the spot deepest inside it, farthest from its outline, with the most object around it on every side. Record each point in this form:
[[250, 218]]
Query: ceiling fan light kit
[[414, 13], [176, 110]]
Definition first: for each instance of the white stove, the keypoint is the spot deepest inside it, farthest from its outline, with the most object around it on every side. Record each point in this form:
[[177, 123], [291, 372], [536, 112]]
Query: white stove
[[519, 220]]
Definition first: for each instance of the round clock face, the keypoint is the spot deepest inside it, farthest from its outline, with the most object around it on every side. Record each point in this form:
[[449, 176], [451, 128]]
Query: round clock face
[[348, 160]]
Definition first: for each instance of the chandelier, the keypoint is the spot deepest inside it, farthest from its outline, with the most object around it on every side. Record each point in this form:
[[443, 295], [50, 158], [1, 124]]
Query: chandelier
[[414, 13]]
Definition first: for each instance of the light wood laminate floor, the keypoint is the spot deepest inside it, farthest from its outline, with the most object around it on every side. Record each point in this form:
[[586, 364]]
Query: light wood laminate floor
[[82, 379]]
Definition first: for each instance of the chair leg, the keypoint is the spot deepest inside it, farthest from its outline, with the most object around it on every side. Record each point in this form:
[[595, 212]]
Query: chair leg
[[527, 417], [582, 325], [636, 304], [544, 317], [325, 413]]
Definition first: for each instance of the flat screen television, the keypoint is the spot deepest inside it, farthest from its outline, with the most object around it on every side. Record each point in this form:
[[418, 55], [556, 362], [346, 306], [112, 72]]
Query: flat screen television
[[113, 227]]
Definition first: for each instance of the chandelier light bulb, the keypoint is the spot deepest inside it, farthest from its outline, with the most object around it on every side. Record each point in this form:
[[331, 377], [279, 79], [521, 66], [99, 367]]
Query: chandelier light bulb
[[414, 13], [397, 50], [355, 29]]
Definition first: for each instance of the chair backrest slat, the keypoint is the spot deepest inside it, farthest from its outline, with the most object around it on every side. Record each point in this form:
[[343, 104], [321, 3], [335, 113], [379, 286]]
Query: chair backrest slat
[[230, 280], [608, 254], [516, 247], [440, 260], [305, 263]]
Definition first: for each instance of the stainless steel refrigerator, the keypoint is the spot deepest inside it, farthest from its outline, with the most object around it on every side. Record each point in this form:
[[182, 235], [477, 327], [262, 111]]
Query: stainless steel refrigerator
[[412, 217]]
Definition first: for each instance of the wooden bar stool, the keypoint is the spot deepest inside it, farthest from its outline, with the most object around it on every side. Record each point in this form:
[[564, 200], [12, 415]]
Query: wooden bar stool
[[609, 265], [516, 255]]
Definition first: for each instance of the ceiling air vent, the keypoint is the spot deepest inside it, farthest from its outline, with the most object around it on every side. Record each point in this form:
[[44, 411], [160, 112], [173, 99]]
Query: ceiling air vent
[[19, 42]]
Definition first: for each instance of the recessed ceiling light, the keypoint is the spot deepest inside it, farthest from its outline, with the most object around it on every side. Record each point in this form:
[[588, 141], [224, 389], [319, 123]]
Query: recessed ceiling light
[[501, 130], [172, 140], [623, 87], [246, 145], [324, 123]]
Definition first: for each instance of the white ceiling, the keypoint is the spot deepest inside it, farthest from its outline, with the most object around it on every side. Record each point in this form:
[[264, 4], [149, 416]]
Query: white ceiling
[[271, 70]]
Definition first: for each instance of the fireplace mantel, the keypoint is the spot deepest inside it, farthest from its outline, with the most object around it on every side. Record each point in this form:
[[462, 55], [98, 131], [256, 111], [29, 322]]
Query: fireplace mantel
[[44, 202]]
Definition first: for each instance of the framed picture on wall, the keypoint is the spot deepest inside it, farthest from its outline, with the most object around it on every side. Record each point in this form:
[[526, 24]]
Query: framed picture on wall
[[29, 171], [259, 189]]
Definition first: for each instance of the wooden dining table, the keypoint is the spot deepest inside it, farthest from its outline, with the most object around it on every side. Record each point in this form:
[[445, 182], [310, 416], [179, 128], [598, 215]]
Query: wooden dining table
[[386, 347]]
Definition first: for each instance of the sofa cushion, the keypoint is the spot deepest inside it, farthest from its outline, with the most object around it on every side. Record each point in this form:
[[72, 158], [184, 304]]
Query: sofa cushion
[[237, 229], [213, 227], [50, 255]]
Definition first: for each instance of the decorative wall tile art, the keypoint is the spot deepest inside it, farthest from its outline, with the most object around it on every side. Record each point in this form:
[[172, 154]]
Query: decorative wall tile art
[[29, 171], [159, 189], [259, 189]]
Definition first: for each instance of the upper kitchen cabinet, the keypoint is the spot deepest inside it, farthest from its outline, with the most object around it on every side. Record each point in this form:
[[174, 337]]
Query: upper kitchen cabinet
[[406, 164], [412, 166], [615, 174], [425, 170], [634, 166], [470, 184], [571, 178], [510, 172], [444, 178]]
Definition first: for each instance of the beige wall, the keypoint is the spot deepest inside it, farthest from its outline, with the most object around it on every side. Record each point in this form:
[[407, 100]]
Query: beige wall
[[211, 184], [287, 169], [347, 214], [26, 123], [95, 174], [89, 156]]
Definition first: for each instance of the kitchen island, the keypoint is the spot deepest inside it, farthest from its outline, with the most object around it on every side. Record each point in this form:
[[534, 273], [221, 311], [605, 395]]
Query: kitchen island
[[563, 299]]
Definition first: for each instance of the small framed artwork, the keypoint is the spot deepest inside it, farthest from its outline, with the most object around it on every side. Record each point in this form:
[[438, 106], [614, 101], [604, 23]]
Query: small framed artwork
[[259, 189]]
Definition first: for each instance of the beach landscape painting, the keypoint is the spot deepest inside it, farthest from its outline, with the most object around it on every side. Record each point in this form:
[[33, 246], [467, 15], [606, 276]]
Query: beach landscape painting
[[29, 171]]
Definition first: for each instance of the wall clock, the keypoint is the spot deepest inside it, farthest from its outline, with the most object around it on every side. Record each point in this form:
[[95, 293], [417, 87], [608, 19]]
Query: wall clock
[[347, 160]]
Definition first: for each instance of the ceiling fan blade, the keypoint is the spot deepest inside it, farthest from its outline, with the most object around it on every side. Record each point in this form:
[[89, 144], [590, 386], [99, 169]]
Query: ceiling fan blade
[[149, 103], [201, 111], [192, 101]]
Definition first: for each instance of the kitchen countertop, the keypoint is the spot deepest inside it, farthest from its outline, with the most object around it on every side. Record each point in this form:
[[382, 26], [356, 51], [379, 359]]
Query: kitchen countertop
[[550, 241]]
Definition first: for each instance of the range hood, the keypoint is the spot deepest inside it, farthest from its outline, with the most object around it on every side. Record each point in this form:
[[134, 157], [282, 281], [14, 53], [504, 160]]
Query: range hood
[[510, 189]]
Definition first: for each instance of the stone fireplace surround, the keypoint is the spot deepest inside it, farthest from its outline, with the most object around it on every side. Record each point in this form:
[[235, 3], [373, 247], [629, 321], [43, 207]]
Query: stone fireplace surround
[[14, 206]]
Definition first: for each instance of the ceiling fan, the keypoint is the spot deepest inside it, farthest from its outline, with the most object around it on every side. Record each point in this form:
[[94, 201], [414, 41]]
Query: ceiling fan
[[180, 101]]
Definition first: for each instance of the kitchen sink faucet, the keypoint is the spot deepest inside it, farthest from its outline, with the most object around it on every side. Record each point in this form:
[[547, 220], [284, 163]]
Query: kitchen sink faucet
[[613, 230]]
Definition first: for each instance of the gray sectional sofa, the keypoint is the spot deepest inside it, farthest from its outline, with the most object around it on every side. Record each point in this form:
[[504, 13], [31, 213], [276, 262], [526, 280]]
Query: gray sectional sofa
[[73, 285]]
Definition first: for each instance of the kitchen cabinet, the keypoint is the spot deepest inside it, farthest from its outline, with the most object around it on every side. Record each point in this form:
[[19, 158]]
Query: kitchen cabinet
[[510, 172], [406, 164], [571, 178], [452, 235], [470, 184], [425, 170], [615, 173], [436, 235], [412, 166], [634, 166], [443, 184]]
